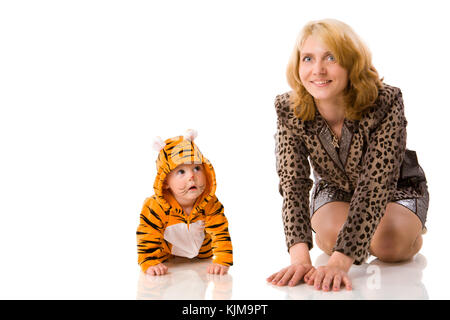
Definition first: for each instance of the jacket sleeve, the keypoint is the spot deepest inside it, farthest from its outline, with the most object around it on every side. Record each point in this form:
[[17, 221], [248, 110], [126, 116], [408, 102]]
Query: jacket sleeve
[[376, 183], [295, 184], [216, 225], [150, 234]]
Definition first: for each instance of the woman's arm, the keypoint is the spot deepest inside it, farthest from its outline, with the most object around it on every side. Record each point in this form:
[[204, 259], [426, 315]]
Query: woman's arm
[[294, 171], [299, 253], [378, 178], [295, 184]]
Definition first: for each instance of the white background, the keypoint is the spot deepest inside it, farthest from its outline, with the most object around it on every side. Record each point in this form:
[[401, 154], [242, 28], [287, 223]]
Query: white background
[[85, 86]]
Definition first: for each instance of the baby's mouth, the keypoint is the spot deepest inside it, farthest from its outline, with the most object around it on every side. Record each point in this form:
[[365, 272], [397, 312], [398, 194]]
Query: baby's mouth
[[193, 188]]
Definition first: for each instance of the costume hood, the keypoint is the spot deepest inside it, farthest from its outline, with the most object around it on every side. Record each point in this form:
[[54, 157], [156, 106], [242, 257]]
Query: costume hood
[[174, 152]]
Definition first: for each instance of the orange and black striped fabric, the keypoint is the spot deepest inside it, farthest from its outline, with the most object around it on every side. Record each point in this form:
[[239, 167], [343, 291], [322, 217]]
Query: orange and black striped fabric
[[162, 211]]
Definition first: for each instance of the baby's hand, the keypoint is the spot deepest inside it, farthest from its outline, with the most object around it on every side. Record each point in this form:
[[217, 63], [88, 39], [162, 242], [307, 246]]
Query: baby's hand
[[157, 270], [215, 268]]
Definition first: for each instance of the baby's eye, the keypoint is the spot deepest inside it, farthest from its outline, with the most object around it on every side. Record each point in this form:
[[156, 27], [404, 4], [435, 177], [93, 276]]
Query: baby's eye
[[181, 171], [197, 168]]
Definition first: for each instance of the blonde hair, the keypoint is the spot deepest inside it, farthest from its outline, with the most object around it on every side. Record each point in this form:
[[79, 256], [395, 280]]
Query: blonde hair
[[351, 53]]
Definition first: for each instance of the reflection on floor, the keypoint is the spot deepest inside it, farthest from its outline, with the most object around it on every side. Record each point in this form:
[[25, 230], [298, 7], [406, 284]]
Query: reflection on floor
[[187, 279], [371, 281]]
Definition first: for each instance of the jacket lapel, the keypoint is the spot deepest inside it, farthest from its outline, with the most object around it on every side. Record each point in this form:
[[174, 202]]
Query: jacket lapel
[[347, 159], [346, 140], [326, 139]]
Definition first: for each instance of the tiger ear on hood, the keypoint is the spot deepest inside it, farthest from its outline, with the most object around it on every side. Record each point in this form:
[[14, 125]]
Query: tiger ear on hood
[[190, 134], [158, 144]]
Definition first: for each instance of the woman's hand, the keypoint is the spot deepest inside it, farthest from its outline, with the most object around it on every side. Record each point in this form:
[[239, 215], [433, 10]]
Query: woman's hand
[[300, 265], [291, 275], [327, 277], [157, 270], [333, 275], [215, 268]]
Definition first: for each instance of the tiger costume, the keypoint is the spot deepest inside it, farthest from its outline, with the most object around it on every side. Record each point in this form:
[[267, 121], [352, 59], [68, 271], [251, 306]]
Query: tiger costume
[[165, 229]]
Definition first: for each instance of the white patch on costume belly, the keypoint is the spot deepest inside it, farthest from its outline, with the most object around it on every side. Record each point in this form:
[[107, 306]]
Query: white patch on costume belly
[[186, 242]]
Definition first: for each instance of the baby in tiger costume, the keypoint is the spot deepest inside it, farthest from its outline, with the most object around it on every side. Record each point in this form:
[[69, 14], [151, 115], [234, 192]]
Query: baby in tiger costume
[[184, 217]]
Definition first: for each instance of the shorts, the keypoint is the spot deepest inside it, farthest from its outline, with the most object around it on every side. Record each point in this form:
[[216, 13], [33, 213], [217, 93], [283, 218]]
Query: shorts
[[326, 194]]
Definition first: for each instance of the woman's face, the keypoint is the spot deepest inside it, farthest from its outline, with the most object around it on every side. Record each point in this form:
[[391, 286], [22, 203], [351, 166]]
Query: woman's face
[[320, 73]]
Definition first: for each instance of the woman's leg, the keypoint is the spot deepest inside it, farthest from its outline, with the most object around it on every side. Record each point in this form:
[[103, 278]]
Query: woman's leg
[[398, 236], [327, 222]]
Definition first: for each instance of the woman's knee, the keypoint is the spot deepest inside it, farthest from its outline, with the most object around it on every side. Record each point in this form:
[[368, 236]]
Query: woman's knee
[[327, 222], [395, 247], [326, 244], [398, 235]]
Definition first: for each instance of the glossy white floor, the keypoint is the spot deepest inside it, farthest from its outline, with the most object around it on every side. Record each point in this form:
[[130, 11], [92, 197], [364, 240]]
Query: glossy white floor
[[373, 280], [107, 270]]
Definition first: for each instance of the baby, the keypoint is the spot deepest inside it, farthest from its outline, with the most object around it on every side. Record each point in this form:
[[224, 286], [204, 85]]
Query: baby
[[184, 217]]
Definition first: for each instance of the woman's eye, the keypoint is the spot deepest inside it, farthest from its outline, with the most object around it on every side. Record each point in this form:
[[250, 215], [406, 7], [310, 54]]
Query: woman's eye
[[331, 58], [307, 59]]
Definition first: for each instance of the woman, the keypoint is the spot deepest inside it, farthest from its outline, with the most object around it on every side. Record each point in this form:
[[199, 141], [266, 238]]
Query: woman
[[370, 194]]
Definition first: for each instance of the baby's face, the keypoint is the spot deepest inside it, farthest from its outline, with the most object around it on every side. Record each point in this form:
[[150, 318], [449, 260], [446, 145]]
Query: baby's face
[[186, 182]]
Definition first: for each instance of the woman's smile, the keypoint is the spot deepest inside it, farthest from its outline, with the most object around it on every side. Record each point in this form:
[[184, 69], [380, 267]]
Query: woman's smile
[[321, 83]]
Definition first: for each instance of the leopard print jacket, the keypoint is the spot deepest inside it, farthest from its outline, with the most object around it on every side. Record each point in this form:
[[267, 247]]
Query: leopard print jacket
[[368, 166]]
